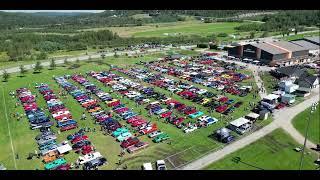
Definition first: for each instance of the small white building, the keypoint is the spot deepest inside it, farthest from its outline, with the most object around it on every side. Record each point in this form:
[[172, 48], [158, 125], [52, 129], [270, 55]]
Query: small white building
[[288, 86]]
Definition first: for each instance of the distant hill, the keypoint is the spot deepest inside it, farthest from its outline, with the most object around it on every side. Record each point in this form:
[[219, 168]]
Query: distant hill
[[55, 14]]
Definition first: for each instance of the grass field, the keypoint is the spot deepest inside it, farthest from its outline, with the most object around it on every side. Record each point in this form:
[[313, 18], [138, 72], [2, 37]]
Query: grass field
[[272, 152], [300, 36], [300, 123], [202, 29], [185, 28], [269, 82]]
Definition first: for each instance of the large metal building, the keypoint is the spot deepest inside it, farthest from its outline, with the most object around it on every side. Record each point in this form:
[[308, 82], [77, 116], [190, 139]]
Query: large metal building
[[275, 52]]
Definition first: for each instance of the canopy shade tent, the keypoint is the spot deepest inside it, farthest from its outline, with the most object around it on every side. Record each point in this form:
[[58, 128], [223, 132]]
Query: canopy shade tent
[[253, 115], [239, 122], [64, 148]]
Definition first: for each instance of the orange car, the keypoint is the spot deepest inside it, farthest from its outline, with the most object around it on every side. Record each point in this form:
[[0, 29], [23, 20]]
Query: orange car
[[51, 156], [95, 109]]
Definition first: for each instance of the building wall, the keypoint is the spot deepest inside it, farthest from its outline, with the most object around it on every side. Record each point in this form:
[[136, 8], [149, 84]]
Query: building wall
[[300, 53], [249, 51], [235, 51]]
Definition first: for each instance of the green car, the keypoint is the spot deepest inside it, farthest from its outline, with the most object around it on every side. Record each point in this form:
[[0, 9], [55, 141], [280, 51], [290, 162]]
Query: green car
[[119, 131], [195, 115], [161, 137], [124, 136], [54, 164]]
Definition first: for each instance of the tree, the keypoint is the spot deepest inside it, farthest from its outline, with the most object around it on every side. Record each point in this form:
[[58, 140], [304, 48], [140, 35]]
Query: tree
[[52, 64], [252, 34], [42, 56], [116, 55], [66, 61], [22, 70], [37, 67], [265, 34], [5, 76]]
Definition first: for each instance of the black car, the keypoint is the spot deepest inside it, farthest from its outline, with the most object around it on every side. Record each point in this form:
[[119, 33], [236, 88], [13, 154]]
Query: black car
[[94, 163], [228, 111], [209, 94], [80, 144], [197, 99]]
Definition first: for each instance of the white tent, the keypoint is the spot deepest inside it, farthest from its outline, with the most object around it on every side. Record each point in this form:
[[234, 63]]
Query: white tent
[[253, 115], [239, 122], [64, 148]]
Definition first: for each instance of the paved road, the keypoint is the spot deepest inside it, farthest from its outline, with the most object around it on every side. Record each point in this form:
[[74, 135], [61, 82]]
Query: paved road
[[281, 119], [81, 58]]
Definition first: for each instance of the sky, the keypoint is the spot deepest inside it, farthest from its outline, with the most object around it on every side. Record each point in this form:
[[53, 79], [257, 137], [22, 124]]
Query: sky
[[68, 11]]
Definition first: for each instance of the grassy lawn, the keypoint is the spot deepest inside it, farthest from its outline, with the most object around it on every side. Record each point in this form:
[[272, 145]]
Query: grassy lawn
[[300, 123], [202, 29], [269, 82], [272, 152], [300, 36]]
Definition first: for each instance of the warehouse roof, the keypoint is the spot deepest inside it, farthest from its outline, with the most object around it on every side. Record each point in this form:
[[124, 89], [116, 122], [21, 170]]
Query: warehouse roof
[[315, 39], [268, 48], [288, 46], [306, 44]]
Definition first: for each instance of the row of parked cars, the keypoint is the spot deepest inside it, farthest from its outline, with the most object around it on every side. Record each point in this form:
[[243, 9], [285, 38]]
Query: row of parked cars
[[143, 126], [57, 109], [80, 142], [214, 77], [122, 134], [46, 140], [156, 107], [219, 103], [37, 118]]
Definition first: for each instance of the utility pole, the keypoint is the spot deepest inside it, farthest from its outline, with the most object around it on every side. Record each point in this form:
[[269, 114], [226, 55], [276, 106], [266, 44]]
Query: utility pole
[[313, 107]]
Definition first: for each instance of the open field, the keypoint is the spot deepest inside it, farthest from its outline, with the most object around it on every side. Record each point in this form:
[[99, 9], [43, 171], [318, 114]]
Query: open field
[[272, 152], [300, 123], [300, 36], [184, 27]]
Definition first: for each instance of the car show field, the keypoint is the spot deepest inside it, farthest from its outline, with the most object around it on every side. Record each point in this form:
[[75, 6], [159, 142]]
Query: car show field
[[174, 146]]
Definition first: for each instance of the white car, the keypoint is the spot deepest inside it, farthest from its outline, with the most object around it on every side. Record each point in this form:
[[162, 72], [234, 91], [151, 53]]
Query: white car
[[89, 157], [161, 165], [189, 129], [202, 91], [147, 166], [154, 134]]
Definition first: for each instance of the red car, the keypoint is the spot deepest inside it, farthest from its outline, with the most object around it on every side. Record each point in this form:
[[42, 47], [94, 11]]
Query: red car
[[166, 114], [129, 142], [178, 121], [280, 106], [222, 108], [135, 118], [148, 130], [223, 99], [190, 111], [63, 167], [121, 110], [80, 138], [66, 128], [64, 116], [86, 149], [138, 123]]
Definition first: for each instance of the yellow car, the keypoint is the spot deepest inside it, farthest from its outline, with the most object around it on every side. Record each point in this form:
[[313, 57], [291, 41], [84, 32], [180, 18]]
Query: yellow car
[[113, 100], [95, 109], [205, 101]]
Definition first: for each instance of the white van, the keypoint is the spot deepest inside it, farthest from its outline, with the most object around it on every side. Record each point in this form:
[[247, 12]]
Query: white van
[[147, 166]]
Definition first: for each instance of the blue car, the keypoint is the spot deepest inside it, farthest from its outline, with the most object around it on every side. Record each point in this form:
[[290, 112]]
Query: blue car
[[66, 123], [230, 101]]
